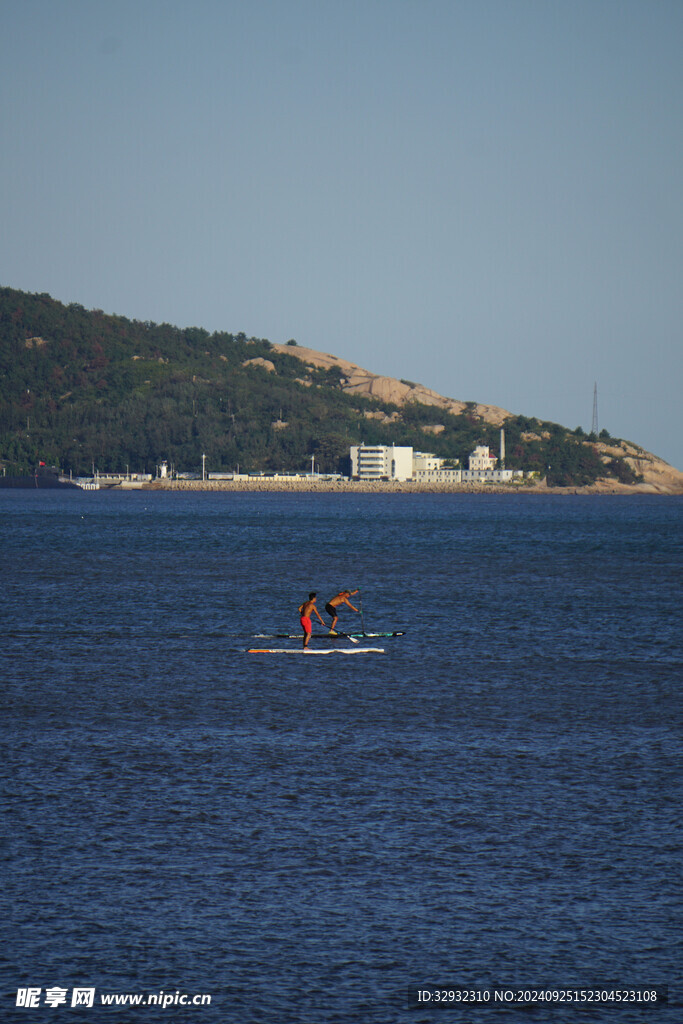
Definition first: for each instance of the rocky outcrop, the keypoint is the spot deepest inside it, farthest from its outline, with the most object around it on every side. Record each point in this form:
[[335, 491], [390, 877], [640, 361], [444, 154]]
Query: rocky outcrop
[[658, 476], [355, 380], [265, 363]]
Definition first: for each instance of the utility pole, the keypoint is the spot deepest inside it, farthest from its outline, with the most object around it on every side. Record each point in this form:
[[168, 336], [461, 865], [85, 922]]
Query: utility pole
[[594, 425]]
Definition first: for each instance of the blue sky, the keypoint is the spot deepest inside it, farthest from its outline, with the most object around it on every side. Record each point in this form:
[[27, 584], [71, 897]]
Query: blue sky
[[483, 196]]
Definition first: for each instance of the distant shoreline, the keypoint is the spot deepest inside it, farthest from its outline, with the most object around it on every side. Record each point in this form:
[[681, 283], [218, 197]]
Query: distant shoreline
[[265, 485]]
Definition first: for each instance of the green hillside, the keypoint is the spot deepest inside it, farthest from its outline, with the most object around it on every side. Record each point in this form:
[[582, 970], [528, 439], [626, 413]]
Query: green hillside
[[80, 388]]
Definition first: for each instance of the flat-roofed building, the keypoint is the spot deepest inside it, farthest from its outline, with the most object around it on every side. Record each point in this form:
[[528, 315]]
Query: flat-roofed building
[[381, 462], [493, 476], [431, 469]]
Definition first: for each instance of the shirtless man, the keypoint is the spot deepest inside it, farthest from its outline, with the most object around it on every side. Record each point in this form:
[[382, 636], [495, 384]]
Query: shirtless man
[[305, 611], [333, 604]]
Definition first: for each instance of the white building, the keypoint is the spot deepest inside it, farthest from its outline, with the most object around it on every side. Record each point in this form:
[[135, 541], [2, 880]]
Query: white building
[[381, 462], [481, 464], [429, 469], [425, 462], [481, 458], [494, 476], [389, 462]]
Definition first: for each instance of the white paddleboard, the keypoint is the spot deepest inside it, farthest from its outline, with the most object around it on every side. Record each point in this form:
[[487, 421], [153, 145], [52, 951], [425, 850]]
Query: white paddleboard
[[316, 650]]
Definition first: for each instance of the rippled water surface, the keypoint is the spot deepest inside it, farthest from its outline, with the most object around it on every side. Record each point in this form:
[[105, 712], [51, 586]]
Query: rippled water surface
[[493, 801]]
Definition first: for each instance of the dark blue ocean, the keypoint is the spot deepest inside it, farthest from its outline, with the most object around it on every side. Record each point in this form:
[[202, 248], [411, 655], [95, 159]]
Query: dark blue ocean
[[494, 802]]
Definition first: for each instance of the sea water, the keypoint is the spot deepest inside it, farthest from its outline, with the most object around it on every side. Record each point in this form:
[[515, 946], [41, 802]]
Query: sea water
[[491, 804]]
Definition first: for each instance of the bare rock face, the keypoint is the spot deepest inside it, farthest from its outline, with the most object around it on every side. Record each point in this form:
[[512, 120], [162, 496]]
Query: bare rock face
[[265, 363], [658, 476], [356, 380]]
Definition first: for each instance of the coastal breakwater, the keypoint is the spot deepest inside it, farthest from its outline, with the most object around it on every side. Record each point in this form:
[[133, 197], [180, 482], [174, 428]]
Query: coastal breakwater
[[398, 487]]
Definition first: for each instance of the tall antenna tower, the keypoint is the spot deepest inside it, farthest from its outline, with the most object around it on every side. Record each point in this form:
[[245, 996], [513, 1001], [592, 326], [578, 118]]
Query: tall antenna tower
[[594, 425]]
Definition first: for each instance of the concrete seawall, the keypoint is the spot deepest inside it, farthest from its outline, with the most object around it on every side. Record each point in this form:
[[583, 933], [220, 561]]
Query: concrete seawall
[[386, 487], [329, 487]]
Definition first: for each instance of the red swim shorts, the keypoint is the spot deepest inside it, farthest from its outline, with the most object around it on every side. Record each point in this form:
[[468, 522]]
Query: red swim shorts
[[306, 623]]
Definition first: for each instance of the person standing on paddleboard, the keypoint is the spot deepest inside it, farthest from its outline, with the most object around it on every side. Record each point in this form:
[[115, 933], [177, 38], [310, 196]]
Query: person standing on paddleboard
[[332, 607], [305, 611]]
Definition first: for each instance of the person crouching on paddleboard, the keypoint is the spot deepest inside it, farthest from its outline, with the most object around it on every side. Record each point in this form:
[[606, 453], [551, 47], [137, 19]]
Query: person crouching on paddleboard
[[332, 607], [305, 611]]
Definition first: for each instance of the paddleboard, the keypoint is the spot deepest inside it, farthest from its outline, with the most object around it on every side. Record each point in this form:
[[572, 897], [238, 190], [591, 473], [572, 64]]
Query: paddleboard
[[316, 650], [338, 636]]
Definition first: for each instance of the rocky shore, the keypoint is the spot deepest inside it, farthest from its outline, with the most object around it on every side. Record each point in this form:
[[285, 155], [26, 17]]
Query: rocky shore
[[396, 487]]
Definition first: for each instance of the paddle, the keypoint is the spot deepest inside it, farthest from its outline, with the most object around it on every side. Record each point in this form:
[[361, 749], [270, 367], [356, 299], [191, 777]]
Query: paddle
[[360, 608], [347, 636]]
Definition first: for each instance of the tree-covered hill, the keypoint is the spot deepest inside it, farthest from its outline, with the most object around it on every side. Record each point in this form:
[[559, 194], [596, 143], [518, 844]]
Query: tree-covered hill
[[79, 388]]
